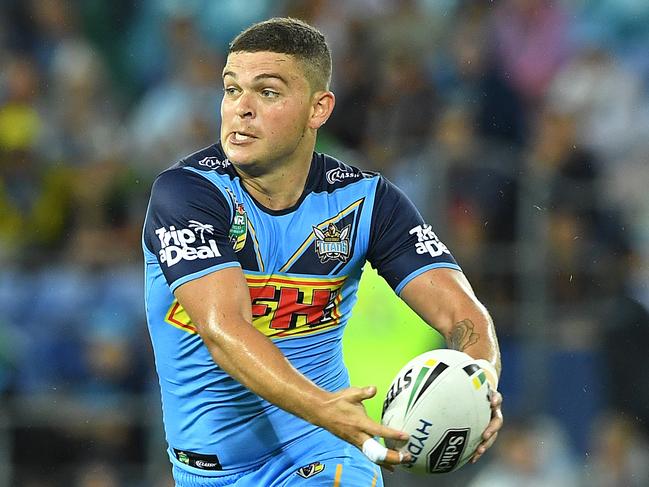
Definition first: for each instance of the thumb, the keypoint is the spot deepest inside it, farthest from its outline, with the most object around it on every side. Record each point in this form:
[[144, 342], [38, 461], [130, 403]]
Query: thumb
[[368, 392], [360, 394]]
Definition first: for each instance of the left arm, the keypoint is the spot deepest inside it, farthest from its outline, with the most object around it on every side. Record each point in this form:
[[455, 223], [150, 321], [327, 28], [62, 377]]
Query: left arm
[[445, 300], [401, 244]]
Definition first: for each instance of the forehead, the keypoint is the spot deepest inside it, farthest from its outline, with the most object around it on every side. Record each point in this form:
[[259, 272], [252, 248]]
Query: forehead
[[251, 65]]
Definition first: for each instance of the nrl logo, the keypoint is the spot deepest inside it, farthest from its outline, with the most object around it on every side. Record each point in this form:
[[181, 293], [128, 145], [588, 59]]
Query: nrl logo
[[182, 457], [310, 470], [332, 244], [239, 228]]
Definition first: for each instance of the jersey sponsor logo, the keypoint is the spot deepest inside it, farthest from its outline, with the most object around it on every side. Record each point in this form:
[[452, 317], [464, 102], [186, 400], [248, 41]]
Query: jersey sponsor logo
[[338, 175], [178, 317], [186, 243], [427, 241], [331, 243], [283, 306], [214, 162], [310, 470], [198, 460]]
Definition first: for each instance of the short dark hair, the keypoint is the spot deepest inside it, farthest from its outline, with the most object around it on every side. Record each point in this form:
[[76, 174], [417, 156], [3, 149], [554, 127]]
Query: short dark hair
[[294, 37]]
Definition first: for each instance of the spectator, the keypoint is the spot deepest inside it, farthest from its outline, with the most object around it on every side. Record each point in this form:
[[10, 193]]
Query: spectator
[[606, 99], [36, 207], [625, 332], [469, 73], [531, 43], [354, 89], [83, 114], [180, 112], [620, 455], [401, 113], [530, 453]]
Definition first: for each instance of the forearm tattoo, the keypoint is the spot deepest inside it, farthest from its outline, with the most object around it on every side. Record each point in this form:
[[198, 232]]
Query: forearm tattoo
[[462, 336]]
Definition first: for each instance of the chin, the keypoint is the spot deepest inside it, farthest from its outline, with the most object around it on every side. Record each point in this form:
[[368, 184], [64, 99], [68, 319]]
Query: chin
[[245, 162], [237, 155]]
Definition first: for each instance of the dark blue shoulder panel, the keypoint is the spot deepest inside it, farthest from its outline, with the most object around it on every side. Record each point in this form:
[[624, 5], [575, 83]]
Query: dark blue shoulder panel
[[337, 175], [187, 226], [211, 158], [402, 245]]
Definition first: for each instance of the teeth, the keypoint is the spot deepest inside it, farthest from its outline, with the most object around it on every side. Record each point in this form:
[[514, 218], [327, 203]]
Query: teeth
[[239, 136]]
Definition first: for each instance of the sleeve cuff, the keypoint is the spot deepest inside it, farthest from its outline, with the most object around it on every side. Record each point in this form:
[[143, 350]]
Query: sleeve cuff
[[190, 277], [421, 270]]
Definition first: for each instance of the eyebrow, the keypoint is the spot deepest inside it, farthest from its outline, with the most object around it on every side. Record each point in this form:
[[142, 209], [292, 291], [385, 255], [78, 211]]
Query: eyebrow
[[259, 77]]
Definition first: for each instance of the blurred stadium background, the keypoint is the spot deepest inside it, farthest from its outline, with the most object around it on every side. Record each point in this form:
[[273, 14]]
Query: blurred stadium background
[[519, 127]]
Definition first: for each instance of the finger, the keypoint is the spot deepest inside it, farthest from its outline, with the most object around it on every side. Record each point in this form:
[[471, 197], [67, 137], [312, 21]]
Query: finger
[[385, 432], [394, 457], [381, 455], [373, 450], [483, 447], [491, 432], [476, 456], [496, 399], [478, 453], [494, 425], [376, 429]]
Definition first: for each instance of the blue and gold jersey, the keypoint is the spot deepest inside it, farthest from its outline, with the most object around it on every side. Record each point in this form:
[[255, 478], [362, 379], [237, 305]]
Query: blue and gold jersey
[[302, 265]]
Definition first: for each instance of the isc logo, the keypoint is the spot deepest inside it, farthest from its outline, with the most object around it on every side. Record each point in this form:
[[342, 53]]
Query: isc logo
[[284, 306]]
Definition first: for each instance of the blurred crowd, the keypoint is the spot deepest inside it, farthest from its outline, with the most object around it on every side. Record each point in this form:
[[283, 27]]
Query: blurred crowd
[[520, 128]]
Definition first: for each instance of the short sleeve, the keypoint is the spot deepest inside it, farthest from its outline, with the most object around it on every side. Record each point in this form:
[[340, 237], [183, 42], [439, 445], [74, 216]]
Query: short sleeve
[[187, 226], [402, 245]]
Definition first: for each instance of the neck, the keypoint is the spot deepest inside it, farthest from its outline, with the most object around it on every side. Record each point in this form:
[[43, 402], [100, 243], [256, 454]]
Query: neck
[[280, 188]]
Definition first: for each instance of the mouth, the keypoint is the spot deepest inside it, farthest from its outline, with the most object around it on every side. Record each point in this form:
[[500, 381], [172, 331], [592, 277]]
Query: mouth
[[241, 137]]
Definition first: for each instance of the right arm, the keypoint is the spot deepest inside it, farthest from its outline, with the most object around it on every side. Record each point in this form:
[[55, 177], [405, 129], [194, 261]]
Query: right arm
[[219, 306], [214, 293]]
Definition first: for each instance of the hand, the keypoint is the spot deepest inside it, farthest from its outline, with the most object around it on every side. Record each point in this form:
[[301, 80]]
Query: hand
[[344, 415], [491, 432]]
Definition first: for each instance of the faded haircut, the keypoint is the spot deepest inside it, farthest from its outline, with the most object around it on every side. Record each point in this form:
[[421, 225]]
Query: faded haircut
[[285, 35]]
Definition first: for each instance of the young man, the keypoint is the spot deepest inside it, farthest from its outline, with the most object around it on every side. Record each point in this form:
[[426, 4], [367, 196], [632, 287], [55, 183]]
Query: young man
[[254, 248]]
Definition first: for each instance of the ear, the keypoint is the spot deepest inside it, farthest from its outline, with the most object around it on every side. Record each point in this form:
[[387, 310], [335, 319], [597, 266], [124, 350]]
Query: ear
[[322, 105]]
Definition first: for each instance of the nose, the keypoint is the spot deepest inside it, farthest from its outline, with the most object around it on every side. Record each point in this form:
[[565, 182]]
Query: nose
[[245, 108]]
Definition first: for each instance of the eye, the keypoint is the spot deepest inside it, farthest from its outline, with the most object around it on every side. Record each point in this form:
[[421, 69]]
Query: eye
[[230, 90], [266, 93]]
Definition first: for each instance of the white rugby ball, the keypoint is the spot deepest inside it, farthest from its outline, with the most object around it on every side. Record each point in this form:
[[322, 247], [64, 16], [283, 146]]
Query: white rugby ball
[[441, 399]]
